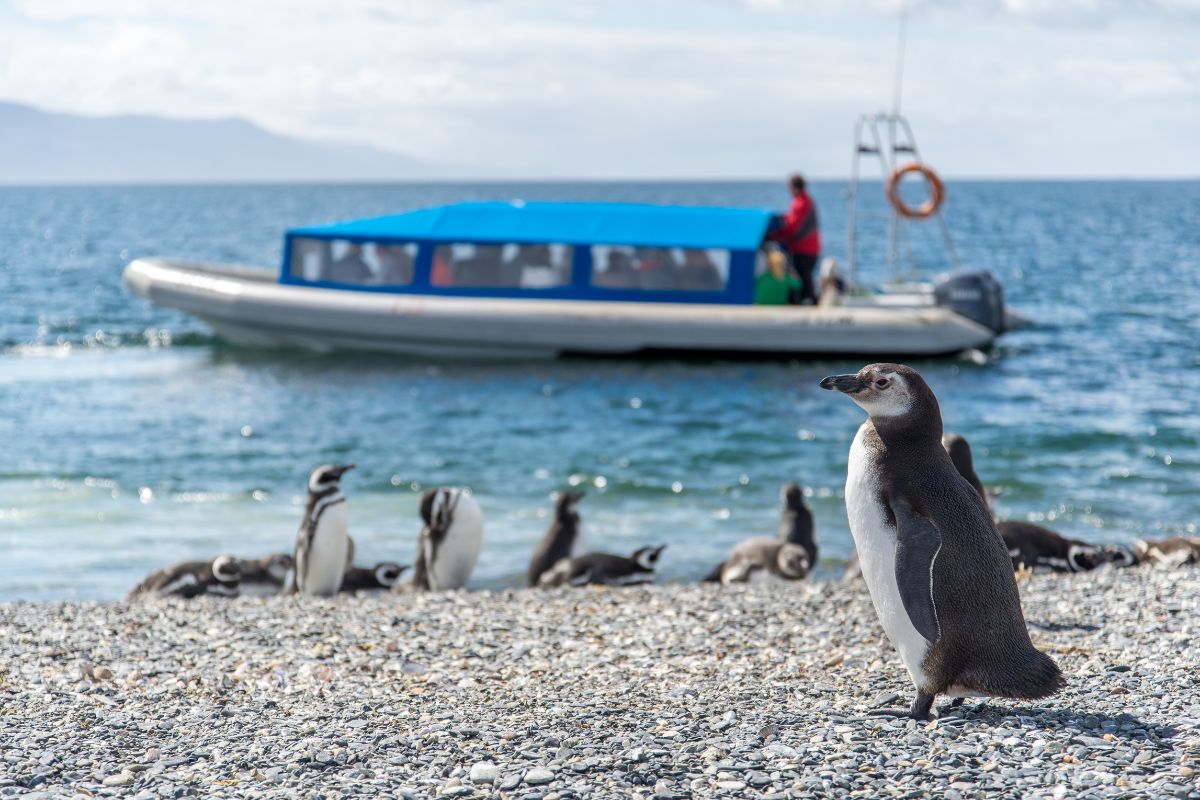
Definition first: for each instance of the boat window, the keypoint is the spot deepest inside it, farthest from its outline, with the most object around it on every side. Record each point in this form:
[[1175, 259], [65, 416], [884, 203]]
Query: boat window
[[355, 263], [670, 269], [524, 266]]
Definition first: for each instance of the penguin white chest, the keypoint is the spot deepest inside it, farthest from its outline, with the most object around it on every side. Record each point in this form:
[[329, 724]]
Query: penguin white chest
[[459, 548], [875, 540], [326, 561]]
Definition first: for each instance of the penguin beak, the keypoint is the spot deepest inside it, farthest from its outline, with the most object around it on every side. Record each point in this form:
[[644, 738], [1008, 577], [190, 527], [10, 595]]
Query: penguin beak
[[342, 470], [847, 384]]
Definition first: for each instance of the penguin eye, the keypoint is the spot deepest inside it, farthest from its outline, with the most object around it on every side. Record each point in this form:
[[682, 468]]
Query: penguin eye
[[881, 383]]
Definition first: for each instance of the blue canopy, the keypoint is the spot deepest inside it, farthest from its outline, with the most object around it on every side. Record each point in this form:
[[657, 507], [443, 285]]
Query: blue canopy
[[566, 223]]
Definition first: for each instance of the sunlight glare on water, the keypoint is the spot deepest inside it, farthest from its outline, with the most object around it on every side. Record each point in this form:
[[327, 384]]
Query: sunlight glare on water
[[133, 438]]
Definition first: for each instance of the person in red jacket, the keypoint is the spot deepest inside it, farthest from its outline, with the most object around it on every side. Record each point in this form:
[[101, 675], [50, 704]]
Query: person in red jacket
[[801, 237]]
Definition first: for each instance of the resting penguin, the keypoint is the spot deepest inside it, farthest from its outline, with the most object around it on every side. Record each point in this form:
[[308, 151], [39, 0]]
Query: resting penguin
[[937, 571], [1033, 547], [323, 546], [265, 576], [763, 556], [795, 526], [562, 540], [449, 543], [604, 569], [384, 575], [1174, 552], [219, 578]]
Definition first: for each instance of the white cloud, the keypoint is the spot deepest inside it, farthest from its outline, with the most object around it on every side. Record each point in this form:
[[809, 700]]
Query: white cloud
[[669, 88]]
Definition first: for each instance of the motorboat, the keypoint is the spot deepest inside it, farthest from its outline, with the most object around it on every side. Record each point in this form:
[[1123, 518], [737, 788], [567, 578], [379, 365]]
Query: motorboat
[[502, 280]]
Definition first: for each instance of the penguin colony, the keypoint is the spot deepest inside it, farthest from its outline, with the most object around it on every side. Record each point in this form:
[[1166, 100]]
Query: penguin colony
[[939, 567]]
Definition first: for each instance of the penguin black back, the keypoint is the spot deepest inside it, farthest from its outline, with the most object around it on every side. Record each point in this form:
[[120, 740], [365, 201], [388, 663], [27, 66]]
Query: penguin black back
[[384, 575], [605, 569], [559, 540], [974, 592], [1033, 546], [1028, 545], [960, 455], [797, 526], [188, 579], [951, 569]]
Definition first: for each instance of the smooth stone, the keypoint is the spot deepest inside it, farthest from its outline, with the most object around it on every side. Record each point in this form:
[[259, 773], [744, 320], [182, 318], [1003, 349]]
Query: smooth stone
[[484, 772], [538, 777]]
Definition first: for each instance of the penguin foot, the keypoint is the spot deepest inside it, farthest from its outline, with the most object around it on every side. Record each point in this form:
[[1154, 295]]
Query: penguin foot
[[921, 707], [922, 703]]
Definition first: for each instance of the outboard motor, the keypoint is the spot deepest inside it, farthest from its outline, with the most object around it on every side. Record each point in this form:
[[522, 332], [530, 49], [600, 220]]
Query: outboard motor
[[975, 295]]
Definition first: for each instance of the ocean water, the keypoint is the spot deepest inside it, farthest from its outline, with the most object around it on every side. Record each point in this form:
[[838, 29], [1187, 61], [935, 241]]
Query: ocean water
[[132, 438]]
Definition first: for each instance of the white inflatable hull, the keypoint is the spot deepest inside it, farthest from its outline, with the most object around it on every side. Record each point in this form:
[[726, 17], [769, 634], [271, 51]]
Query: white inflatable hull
[[248, 307]]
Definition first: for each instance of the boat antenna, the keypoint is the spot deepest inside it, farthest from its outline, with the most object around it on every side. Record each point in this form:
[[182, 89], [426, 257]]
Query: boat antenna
[[900, 58]]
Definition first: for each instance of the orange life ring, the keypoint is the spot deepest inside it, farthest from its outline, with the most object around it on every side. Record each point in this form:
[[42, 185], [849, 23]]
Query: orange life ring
[[937, 191]]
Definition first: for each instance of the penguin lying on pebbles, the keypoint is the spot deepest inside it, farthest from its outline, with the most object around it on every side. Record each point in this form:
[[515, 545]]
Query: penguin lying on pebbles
[[604, 569], [323, 547], [795, 527], [219, 577], [936, 569], [1033, 547], [763, 556], [562, 540], [1174, 552], [384, 575], [265, 576], [449, 543]]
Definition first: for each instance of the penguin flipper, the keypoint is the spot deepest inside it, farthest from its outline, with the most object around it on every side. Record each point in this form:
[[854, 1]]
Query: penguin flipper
[[917, 546]]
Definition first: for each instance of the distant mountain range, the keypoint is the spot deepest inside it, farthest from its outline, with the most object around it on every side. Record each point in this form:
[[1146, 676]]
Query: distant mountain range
[[47, 147]]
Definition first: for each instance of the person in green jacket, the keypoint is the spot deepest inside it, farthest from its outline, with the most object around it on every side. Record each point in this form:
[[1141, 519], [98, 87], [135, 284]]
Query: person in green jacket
[[775, 287]]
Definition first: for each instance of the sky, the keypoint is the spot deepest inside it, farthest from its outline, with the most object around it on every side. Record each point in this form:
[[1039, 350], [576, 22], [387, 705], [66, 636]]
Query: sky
[[643, 88]]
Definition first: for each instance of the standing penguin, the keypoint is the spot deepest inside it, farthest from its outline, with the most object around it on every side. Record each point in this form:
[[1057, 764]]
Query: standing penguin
[[795, 527], [562, 540], [960, 455], [219, 577], [449, 543], [323, 547], [939, 576]]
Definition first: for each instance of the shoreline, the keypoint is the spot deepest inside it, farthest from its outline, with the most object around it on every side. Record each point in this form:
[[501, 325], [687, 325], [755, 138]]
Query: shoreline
[[667, 691]]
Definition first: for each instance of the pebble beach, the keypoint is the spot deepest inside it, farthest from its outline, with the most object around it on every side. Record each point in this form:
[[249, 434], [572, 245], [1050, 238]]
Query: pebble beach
[[664, 691]]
